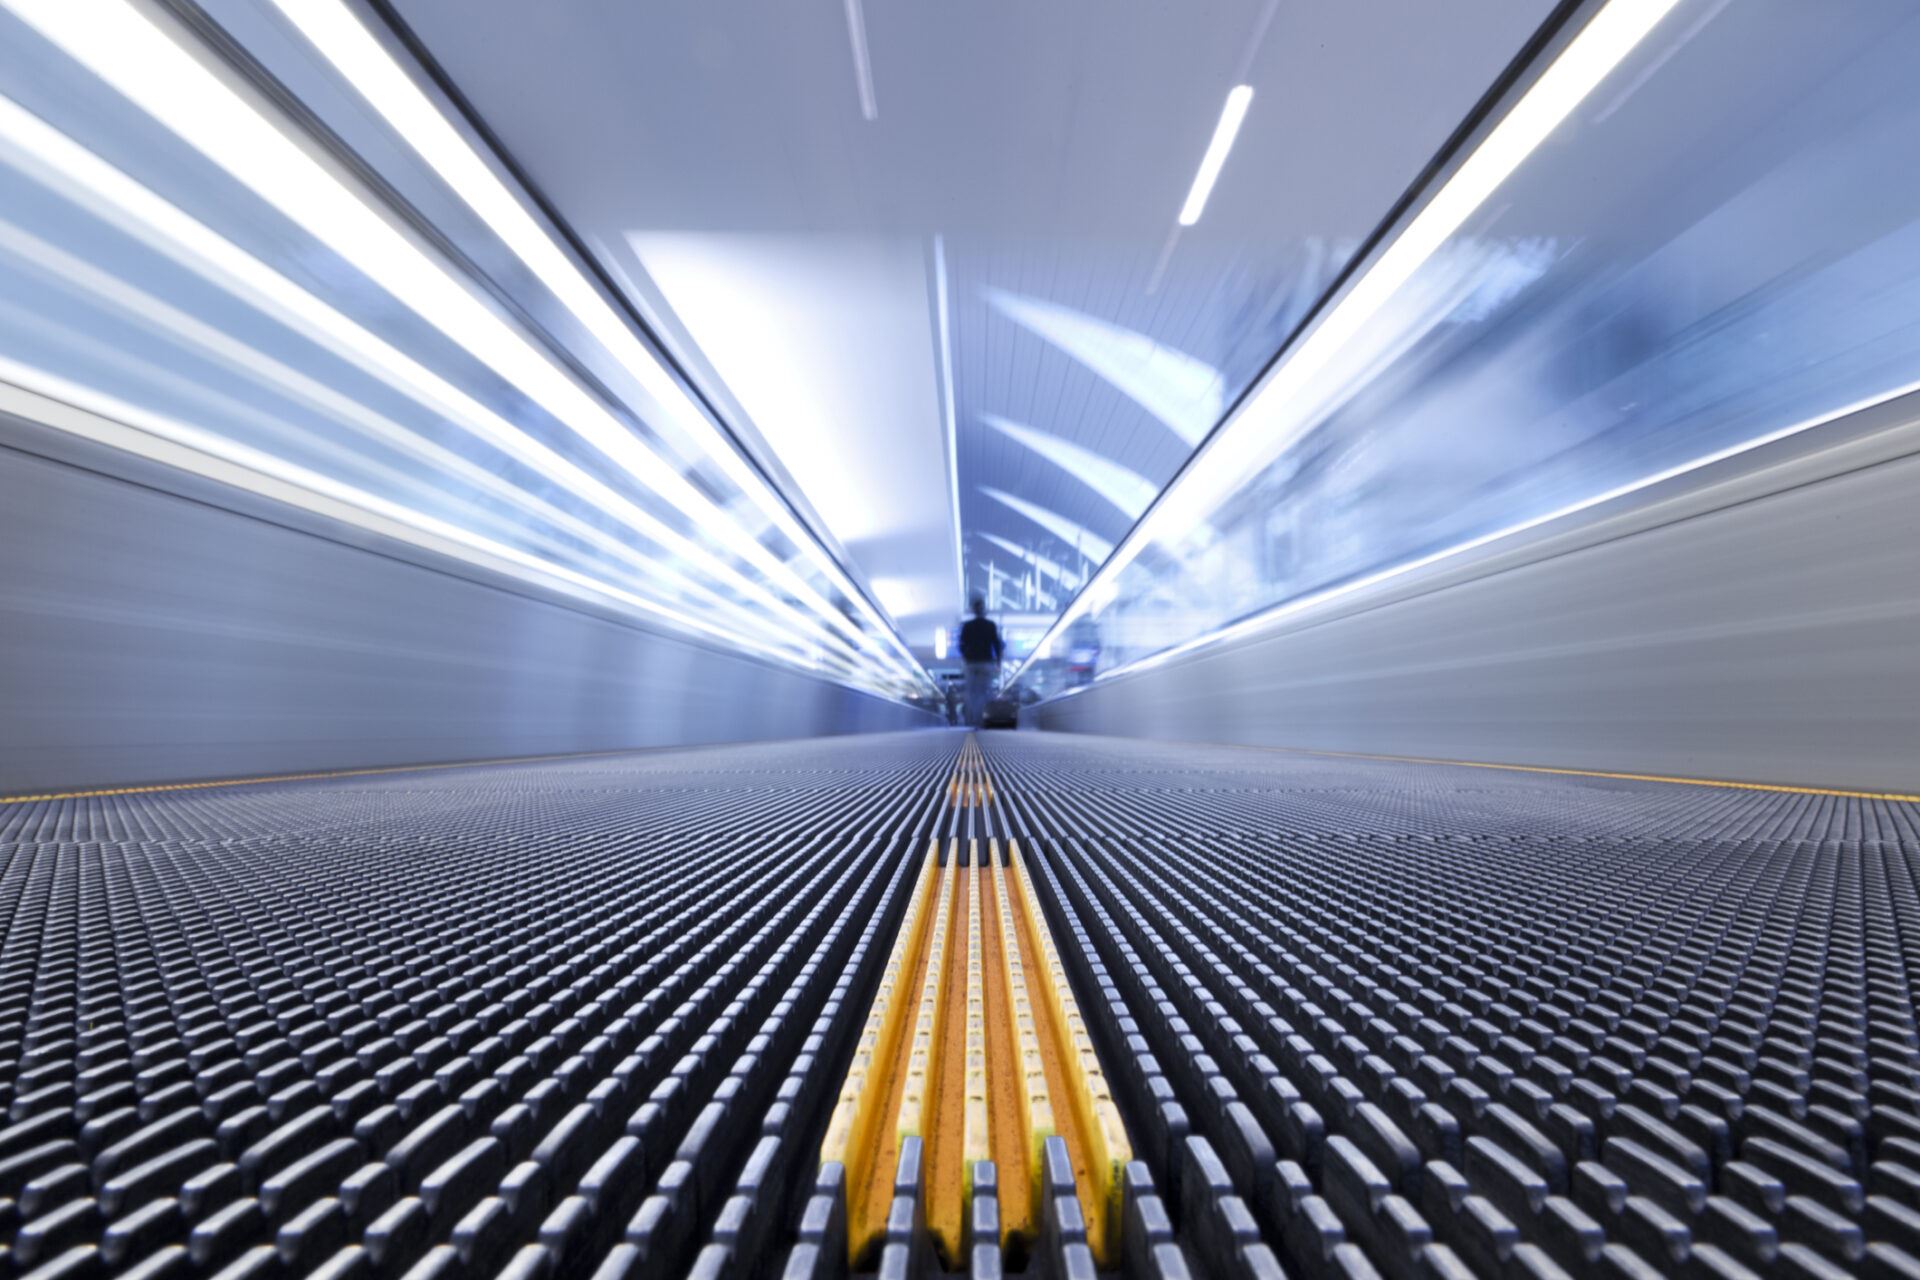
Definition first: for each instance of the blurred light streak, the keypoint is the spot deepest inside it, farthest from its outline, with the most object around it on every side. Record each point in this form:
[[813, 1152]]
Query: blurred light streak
[[169, 84], [862, 61], [361, 60], [74, 273], [1273, 617], [34, 147], [1287, 402], [246, 467], [945, 315]]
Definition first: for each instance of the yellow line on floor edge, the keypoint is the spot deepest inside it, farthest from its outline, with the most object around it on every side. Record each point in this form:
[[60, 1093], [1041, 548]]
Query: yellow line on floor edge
[[1033, 1107], [1097, 1116], [919, 1098], [146, 788], [853, 1129], [976, 1142], [1779, 787]]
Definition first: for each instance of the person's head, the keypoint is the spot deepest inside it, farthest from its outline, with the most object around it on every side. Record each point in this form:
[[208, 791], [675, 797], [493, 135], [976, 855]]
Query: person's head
[[979, 604]]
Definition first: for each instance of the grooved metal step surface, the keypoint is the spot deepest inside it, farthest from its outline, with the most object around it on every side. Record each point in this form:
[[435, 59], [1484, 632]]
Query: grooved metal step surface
[[595, 1016]]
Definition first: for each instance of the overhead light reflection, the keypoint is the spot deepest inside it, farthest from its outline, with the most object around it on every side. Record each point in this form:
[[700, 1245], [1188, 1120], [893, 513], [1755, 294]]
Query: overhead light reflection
[[1127, 490], [1077, 536], [1185, 393]]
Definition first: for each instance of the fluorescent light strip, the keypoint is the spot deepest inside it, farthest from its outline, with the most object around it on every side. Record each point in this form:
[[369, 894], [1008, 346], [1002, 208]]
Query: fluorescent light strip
[[65, 166], [946, 407], [142, 62], [364, 62], [1239, 98], [69, 271], [1282, 408]]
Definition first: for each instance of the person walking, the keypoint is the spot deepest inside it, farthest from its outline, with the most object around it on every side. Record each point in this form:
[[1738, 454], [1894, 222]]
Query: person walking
[[981, 650]]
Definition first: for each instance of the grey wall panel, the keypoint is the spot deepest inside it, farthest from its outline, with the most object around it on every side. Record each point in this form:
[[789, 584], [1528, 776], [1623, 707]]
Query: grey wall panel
[[147, 636], [1775, 638]]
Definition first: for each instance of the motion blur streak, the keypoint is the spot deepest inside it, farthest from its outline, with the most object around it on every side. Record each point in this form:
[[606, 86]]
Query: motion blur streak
[[269, 476], [34, 148], [340, 37], [150, 310], [1339, 348], [163, 79], [596, 529], [1577, 348]]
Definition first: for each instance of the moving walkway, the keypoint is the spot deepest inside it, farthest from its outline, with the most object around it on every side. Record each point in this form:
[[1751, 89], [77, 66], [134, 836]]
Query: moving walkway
[[937, 1003]]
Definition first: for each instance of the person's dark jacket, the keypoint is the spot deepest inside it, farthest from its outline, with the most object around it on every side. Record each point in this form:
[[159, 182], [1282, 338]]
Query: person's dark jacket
[[980, 641]]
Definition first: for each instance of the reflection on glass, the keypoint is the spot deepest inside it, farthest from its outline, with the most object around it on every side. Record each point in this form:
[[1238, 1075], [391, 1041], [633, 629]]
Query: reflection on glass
[[1720, 245]]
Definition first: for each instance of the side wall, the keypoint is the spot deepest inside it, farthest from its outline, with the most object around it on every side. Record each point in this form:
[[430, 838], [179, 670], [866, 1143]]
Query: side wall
[[150, 636], [1760, 626]]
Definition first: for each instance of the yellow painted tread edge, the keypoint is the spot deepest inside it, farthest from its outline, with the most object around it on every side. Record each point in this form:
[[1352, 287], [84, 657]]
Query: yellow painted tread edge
[[1779, 788], [150, 788], [911, 1119], [851, 1129], [977, 1143], [1108, 1149], [1036, 1107], [917, 1098]]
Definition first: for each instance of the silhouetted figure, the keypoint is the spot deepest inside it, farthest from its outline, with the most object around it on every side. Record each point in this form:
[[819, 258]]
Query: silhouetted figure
[[980, 649]]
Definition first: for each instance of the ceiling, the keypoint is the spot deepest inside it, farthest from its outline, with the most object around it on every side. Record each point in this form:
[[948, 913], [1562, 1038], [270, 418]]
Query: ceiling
[[995, 246]]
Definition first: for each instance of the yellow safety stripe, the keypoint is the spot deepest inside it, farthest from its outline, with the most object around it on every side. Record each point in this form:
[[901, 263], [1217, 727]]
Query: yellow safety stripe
[[264, 779], [977, 1143], [1094, 1109], [916, 1099], [851, 1129], [1036, 1107], [1776, 787]]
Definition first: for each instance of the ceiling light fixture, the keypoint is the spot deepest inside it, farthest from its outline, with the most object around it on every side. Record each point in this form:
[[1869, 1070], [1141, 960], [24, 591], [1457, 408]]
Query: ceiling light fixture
[[943, 312], [1279, 410], [1235, 111]]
